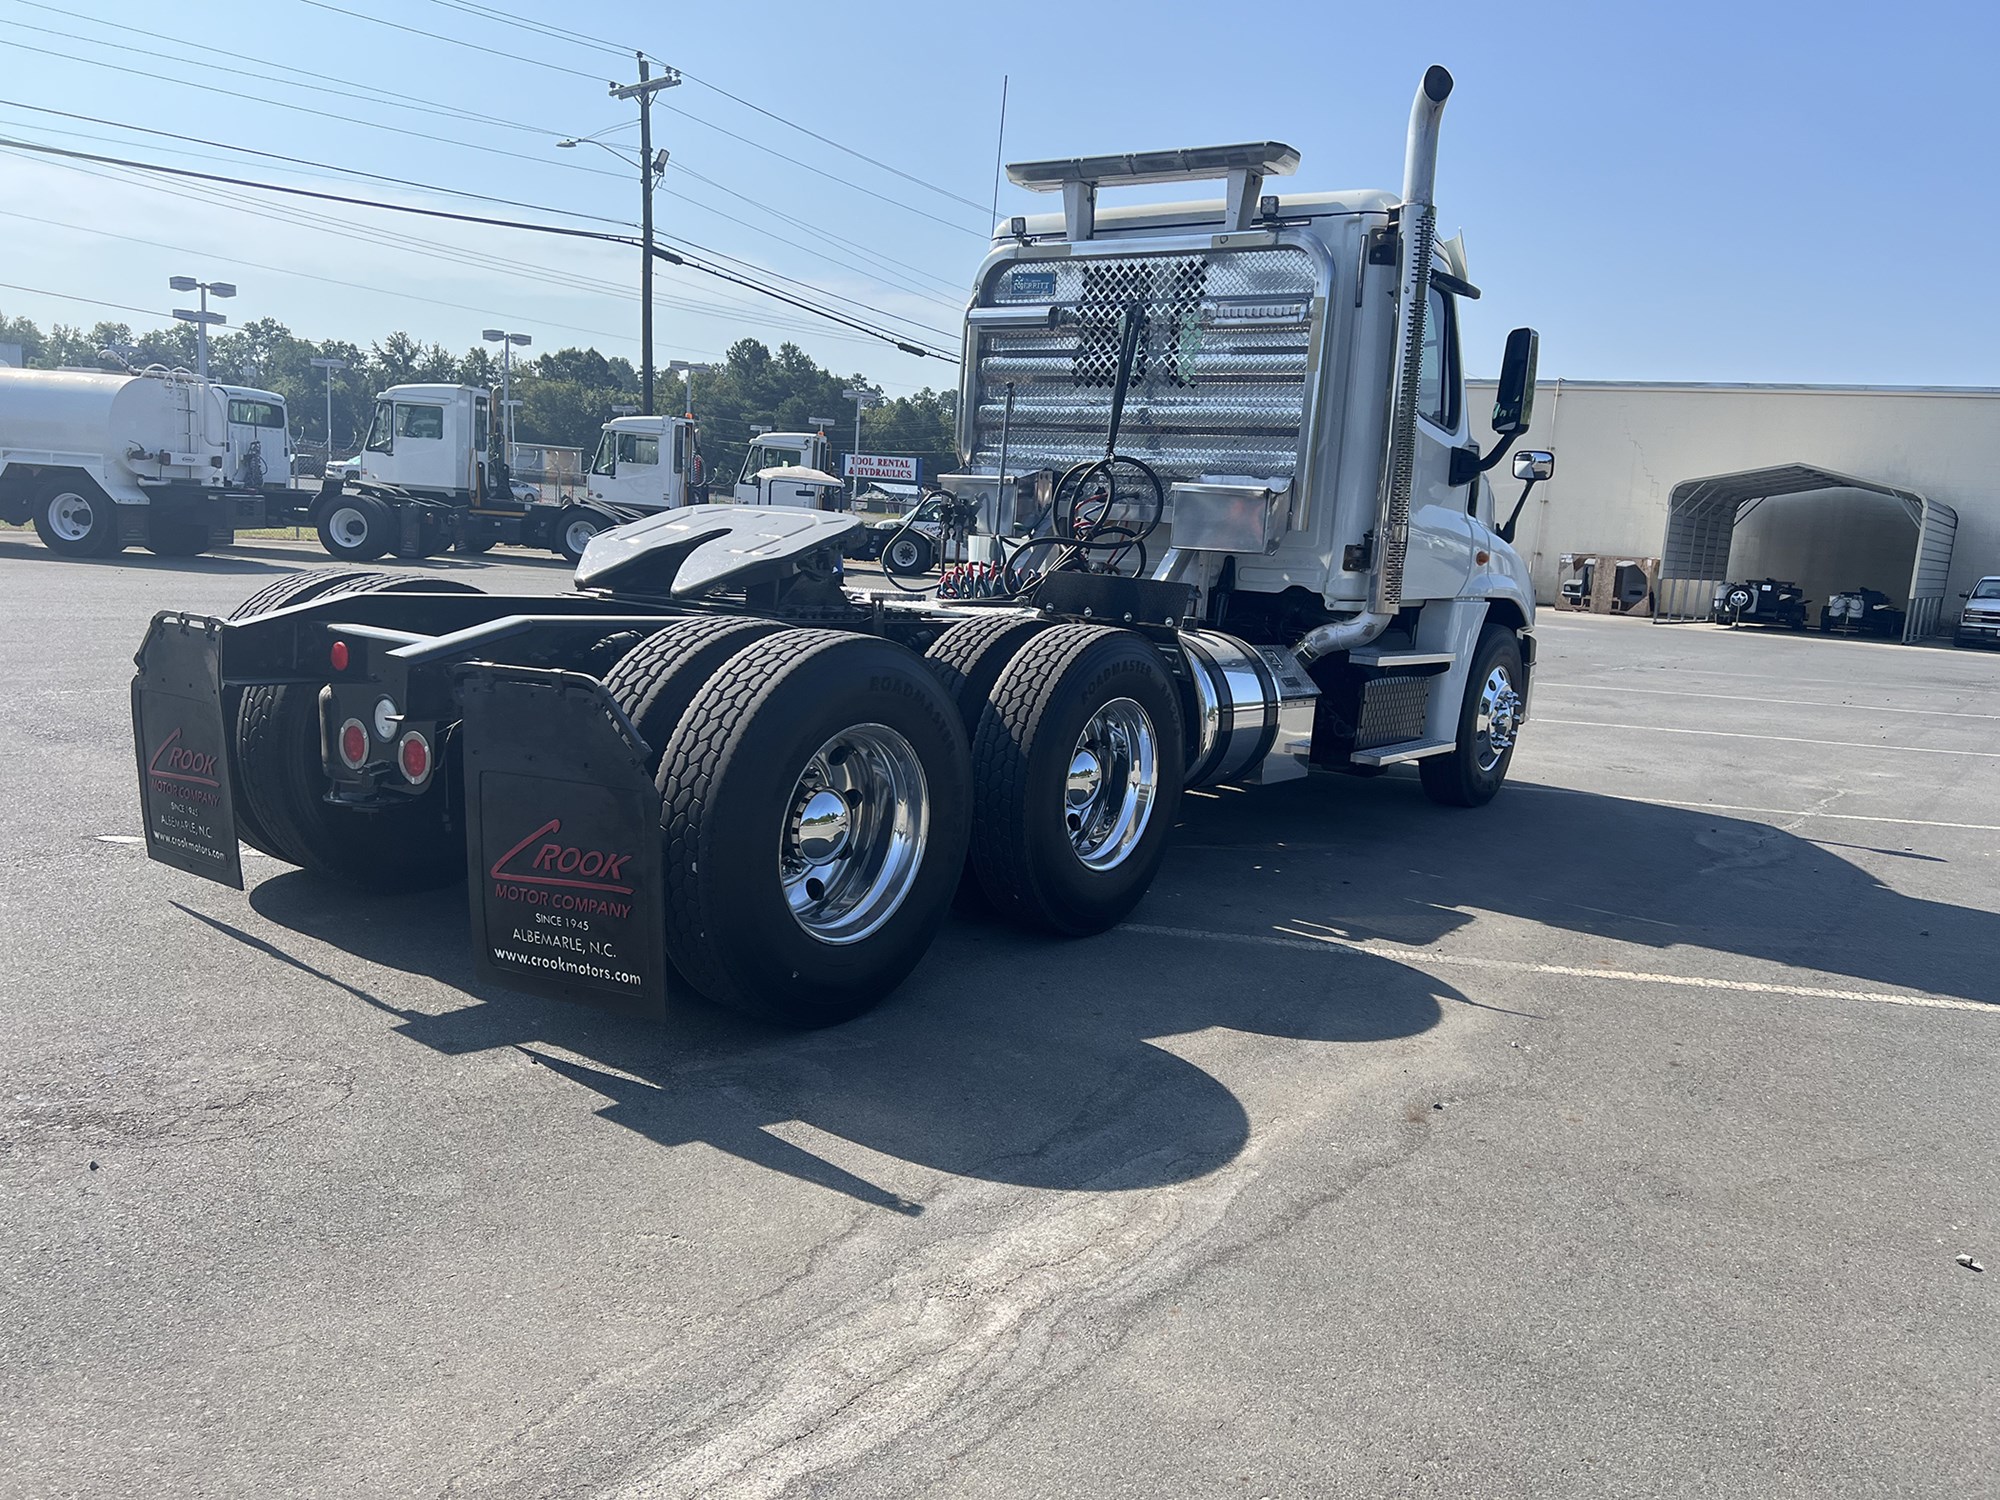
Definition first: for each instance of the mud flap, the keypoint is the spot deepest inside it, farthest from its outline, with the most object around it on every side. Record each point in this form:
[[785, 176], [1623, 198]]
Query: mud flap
[[562, 840], [178, 730]]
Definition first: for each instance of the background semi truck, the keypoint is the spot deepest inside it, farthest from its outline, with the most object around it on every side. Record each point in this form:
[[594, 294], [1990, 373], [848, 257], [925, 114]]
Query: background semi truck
[[1267, 548], [432, 474], [648, 464], [99, 462]]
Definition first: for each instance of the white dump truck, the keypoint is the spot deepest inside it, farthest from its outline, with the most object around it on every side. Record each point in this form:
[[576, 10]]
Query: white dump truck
[[1267, 548], [99, 462], [648, 464], [260, 440], [432, 475]]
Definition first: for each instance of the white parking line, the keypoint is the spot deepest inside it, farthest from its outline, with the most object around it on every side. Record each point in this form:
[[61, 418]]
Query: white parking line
[[1769, 812], [1308, 942], [1873, 708], [1789, 739]]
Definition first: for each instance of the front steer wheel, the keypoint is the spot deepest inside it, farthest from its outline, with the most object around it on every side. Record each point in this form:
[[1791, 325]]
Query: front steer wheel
[[815, 799], [354, 528], [1489, 719]]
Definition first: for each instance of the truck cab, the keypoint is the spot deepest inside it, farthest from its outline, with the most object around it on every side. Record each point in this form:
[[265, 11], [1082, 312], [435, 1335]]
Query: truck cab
[[260, 439], [649, 463], [432, 440], [784, 450]]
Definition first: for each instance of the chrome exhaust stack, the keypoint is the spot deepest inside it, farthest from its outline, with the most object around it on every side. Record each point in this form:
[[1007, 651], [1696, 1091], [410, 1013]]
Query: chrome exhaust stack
[[1418, 224]]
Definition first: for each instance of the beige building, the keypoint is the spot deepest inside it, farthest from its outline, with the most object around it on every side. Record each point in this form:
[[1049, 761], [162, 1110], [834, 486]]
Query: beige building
[[1625, 450]]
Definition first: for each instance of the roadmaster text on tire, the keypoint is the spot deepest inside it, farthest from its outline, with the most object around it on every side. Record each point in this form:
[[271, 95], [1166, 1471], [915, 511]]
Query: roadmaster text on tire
[[658, 678], [908, 554], [175, 538], [281, 781], [355, 528], [574, 529], [1077, 773], [815, 802], [1471, 772], [75, 518]]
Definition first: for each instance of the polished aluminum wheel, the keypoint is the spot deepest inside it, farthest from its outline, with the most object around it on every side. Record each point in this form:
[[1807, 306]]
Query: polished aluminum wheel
[[348, 526], [1498, 720], [71, 516], [1112, 784], [854, 833]]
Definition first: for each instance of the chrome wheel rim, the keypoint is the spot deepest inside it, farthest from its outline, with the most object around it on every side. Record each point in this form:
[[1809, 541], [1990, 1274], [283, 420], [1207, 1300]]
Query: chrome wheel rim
[[854, 834], [348, 527], [1499, 718], [579, 534], [1111, 785], [71, 516]]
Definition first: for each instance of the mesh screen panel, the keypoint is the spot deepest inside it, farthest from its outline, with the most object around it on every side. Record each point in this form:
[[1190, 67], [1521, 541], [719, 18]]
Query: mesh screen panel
[[1219, 379]]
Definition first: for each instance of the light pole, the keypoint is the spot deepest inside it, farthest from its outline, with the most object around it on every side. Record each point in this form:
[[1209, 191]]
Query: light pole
[[202, 318], [329, 365], [506, 341], [862, 398], [682, 367]]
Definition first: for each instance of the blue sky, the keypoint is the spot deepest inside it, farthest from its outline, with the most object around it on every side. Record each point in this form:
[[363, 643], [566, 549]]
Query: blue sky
[[1702, 191]]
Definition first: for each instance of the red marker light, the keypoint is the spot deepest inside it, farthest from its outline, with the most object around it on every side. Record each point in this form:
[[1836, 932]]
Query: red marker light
[[414, 756], [353, 744], [338, 656]]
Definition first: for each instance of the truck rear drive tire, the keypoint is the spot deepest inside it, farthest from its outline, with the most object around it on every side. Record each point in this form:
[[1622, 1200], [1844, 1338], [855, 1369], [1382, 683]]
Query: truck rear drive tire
[[657, 679], [75, 518], [815, 802], [175, 538], [355, 528], [408, 847], [1077, 773], [1489, 719]]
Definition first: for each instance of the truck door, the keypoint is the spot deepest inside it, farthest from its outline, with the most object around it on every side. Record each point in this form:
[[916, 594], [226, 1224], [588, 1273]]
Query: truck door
[[1440, 555], [420, 458], [482, 445]]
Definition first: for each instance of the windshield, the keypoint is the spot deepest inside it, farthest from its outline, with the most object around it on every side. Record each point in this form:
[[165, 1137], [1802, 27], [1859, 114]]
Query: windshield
[[256, 413], [378, 439], [604, 462], [1986, 588]]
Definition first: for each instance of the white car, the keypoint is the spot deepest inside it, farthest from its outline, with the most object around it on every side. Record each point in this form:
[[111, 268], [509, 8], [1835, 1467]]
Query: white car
[[1979, 621]]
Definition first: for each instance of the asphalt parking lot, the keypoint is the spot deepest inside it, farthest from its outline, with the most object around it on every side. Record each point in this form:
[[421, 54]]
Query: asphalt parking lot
[[1618, 1138]]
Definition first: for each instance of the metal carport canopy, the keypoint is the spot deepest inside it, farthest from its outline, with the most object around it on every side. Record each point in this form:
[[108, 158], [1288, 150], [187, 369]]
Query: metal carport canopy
[[1701, 524]]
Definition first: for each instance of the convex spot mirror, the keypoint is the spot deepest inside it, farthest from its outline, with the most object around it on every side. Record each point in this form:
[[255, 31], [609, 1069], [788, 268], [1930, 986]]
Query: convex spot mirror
[[1514, 402], [1534, 463]]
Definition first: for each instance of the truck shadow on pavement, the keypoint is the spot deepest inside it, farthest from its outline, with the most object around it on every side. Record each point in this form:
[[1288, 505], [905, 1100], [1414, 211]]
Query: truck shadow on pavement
[[1041, 1063], [1005, 1057], [1375, 860]]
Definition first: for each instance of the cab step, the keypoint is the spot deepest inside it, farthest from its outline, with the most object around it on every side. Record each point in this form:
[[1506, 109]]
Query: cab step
[[1371, 656], [1395, 755]]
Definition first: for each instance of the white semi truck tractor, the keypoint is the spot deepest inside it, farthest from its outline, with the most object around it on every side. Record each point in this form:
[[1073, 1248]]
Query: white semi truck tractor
[[648, 464], [99, 462], [1260, 545], [432, 474]]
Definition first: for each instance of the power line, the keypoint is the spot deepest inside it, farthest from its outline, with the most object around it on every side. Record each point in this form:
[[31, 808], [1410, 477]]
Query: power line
[[151, 312], [300, 161], [559, 33], [438, 213], [533, 62]]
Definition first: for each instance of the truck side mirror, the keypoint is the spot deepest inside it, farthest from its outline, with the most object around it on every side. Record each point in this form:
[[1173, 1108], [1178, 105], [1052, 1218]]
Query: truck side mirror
[[1534, 464], [1514, 402]]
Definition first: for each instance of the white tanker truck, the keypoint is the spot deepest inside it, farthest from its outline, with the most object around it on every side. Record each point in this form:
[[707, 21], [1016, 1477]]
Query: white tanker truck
[[98, 462]]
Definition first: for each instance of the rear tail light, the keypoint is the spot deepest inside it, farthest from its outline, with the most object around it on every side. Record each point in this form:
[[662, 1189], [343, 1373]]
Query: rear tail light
[[413, 758], [353, 744], [337, 655]]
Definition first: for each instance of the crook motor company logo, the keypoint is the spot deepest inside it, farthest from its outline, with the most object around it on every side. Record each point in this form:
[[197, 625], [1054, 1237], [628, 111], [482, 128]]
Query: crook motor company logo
[[183, 772], [546, 870]]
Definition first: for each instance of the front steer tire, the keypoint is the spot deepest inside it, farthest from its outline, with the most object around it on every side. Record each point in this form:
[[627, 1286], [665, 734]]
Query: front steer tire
[[1031, 834], [354, 528], [409, 846], [734, 805], [1471, 772]]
